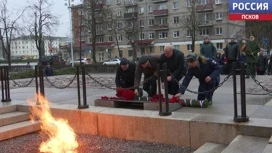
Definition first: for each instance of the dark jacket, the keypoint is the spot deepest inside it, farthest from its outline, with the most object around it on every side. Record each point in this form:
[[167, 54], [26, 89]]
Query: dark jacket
[[48, 71], [232, 51], [209, 68], [262, 63], [175, 64], [125, 79], [148, 72], [208, 50], [242, 58]]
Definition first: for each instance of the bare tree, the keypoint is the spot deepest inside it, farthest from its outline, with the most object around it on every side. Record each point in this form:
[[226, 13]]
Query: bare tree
[[93, 19], [9, 27], [112, 23], [44, 22], [131, 29], [191, 21]]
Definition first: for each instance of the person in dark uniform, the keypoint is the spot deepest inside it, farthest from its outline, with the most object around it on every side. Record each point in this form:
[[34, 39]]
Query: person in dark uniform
[[48, 70], [125, 74], [147, 65], [175, 64], [232, 54], [206, 70]]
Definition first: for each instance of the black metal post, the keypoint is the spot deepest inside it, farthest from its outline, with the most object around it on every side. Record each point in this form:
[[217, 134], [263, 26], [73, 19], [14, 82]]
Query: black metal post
[[41, 80], [2, 81], [78, 87], [159, 85], [80, 51], [36, 80], [243, 93], [84, 88], [164, 78], [234, 89], [243, 117], [5, 84]]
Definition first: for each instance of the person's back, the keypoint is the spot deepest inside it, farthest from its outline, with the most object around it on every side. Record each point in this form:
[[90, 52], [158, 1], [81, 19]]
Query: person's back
[[48, 71]]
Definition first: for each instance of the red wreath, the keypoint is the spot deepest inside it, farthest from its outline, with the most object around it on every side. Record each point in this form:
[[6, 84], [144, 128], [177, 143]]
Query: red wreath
[[174, 100], [156, 98], [128, 95]]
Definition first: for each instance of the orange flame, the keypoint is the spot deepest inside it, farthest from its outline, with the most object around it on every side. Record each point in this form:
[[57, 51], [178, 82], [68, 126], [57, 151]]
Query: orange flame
[[62, 138]]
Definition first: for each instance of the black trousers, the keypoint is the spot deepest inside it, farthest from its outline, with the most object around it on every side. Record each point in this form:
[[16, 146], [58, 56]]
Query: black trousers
[[206, 87], [150, 87], [173, 87]]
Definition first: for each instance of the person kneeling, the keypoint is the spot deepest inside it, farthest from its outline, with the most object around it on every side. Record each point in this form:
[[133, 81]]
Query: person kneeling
[[207, 71]]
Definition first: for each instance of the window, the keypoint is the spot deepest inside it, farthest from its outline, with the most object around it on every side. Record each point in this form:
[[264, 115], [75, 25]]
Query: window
[[151, 22], [119, 13], [108, 27], [109, 53], [141, 36], [110, 38], [162, 34], [162, 6], [141, 10], [119, 25], [161, 48], [151, 49], [176, 20], [175, 34], [218, 1], [189, 47], [141, 23], [203, 31], [218, 31], [175, 5], [130, 53], [219, 46], [188, 3], [151, 36], [176, 47], [218, 15], [163, 20], [120, 38], [150, 8], [108, 2], [204, 2], [101, 56], [142, 50], [118, 1], [189, 33]]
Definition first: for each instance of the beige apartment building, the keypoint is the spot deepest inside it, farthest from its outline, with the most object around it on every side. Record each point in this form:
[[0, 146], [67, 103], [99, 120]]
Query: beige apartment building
[[160, 22]]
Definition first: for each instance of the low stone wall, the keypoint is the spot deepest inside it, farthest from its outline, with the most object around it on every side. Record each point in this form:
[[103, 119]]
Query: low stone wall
[[183, 129]]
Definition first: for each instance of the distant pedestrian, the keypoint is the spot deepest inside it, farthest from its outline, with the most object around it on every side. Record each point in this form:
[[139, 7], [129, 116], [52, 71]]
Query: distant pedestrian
[[207, 49], [252, 48], [48, 70], [262, 63], [232, 53]]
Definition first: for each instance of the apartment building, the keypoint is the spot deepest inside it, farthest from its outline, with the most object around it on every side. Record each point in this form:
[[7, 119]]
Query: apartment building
[[25, 47], [160, 22]]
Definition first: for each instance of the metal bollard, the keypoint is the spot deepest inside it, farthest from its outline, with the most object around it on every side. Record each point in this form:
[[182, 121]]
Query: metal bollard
[[243, 117], [164, 78], [5, 84], [234, 89], [83, 73]]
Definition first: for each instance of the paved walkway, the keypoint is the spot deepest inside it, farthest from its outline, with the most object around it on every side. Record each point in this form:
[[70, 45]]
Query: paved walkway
[[258, 106]]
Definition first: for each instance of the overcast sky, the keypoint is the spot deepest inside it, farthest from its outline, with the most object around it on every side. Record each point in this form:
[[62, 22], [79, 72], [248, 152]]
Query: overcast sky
[[59, 9]]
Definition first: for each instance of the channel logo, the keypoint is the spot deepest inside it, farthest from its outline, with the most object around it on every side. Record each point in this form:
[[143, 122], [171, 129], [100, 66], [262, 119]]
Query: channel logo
[[250, 10]]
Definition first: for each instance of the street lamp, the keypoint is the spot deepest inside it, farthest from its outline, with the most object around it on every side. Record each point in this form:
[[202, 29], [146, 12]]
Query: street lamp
[[71, 31]]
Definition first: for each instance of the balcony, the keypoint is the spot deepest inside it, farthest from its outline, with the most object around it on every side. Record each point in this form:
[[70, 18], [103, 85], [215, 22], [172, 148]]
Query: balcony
[[98, 6], [130, 15], [205, 23], [130, 3], [160, 12], [158, 1], [160, 26], [206, 7]]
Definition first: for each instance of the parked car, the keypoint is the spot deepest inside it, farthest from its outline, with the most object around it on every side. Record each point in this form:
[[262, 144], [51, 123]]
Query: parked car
[[83, 61], [114, 61]]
